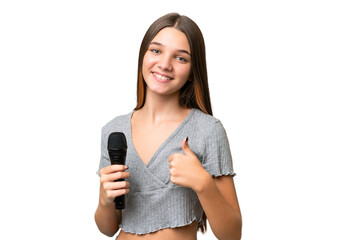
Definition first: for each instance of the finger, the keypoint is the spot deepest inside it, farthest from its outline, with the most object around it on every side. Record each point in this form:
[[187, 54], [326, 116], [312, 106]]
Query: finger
[[174, 156], [173, 179], [185, 147], [116, 185], [117, 193], [172, 171], [112, 168], [115, 176]]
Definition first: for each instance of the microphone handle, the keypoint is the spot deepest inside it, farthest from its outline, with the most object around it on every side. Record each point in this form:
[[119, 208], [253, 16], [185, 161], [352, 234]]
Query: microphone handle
[[118, 158], [120, 200]]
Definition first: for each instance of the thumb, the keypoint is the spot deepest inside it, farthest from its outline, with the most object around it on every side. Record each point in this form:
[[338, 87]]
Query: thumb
[[185, 147]]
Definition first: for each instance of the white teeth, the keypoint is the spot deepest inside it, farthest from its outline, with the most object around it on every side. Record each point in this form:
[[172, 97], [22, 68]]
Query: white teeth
[[161, 77]]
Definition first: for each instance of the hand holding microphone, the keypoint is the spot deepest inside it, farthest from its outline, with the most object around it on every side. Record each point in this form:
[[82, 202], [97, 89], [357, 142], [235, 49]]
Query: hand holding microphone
[[113, 187]]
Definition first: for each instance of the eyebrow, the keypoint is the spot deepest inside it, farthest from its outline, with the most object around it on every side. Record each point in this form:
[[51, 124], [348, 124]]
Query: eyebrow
[[180, 50]]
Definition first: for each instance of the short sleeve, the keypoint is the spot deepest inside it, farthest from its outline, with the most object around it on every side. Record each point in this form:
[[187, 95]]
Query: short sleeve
[[218, 160], [104, 158]]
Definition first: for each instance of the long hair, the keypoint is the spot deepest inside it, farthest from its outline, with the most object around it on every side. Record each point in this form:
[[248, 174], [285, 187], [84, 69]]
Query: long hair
[[195, 93]]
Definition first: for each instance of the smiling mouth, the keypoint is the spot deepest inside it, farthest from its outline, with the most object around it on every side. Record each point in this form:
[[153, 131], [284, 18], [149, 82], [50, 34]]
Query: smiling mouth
[[162, 77]]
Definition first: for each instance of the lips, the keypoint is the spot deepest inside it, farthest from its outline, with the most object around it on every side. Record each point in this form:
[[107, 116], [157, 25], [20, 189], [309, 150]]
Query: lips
[[162, 77]]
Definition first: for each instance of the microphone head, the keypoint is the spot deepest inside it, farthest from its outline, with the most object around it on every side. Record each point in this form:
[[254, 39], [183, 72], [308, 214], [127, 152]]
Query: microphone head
[[117, 141]]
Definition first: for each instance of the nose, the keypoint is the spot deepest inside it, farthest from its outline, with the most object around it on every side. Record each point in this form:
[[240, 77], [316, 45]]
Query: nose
[[165, 63]]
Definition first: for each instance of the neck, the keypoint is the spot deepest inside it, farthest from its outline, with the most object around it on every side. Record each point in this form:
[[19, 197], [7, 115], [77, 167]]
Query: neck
[[159, 108]]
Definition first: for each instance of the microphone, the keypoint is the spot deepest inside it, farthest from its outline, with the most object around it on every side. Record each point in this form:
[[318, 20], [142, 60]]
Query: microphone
[[117, 148]]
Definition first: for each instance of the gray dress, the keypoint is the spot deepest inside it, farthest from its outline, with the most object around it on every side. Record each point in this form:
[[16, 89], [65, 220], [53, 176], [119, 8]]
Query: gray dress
[[154, 202]]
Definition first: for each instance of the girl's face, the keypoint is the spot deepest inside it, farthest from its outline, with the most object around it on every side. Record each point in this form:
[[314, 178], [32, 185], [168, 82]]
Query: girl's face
[[167, 62]]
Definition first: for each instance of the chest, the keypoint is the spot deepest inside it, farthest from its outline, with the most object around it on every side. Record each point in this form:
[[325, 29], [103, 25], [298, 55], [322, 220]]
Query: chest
[[147, 138]]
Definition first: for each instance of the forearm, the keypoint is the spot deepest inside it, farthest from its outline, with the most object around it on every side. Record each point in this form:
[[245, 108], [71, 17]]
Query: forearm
[[107, 219], [224, 220]]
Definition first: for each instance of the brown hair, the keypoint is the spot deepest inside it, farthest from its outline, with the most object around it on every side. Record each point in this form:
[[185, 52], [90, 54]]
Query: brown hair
[[195, 93]]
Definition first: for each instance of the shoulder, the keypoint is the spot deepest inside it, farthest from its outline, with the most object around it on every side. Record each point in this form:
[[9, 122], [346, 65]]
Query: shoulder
[[117, 124], [202, 117], [201, 120]]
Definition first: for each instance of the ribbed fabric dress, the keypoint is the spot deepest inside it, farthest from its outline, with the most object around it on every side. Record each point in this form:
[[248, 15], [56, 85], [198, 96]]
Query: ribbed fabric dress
[[154, 202]]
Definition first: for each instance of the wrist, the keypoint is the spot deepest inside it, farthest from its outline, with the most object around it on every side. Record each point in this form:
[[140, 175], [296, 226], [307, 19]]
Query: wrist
[[205, 180], [106, 204]]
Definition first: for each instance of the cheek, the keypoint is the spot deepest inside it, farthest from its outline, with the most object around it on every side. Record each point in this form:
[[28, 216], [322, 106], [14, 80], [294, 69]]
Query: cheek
[[185, 72], [147, 65], [148, 62]]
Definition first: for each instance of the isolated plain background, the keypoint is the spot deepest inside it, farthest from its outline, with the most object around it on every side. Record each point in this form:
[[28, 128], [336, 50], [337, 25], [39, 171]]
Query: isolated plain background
[[284, 80]]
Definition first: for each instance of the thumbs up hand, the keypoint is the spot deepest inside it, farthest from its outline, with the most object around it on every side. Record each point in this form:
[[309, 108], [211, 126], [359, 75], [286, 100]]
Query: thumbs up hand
[[186, 169]]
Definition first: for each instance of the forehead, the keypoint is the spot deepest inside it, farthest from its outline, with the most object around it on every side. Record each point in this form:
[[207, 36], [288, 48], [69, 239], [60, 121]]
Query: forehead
[[173, 38]]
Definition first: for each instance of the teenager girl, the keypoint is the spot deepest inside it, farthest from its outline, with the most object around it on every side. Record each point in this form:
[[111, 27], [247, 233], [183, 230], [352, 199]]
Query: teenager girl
[[179, 171]]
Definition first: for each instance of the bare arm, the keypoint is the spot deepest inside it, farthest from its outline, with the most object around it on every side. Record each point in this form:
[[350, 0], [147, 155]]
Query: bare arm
[[219, 201], [106, 217], [217, 196]]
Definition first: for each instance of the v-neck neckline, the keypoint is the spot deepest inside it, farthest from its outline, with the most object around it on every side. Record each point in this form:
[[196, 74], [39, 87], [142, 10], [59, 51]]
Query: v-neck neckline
[[163, 144]]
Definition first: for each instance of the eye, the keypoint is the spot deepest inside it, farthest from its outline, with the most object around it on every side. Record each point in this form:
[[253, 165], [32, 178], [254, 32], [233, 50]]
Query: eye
[[155, 50], [181, 59]]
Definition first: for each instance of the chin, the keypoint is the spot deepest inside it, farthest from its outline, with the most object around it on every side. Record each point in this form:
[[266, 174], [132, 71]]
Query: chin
[[162, 92]]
